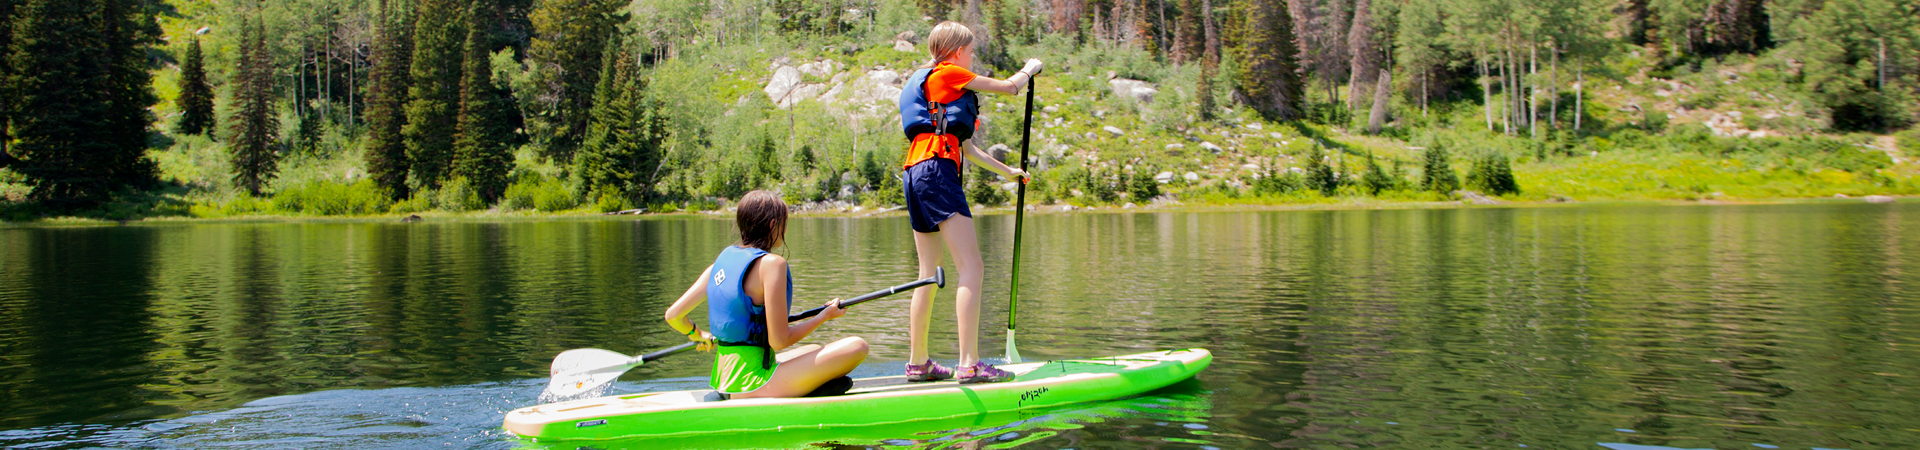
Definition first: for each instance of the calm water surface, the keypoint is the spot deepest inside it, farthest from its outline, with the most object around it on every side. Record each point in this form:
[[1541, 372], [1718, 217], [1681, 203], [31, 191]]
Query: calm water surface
[[1582, 327]]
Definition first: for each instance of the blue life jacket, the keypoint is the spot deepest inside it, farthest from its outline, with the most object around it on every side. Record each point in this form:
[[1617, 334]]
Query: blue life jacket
[[917, 112], [731, 315]]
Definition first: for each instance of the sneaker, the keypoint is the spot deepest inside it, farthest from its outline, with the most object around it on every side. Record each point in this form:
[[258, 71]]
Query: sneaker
[[981, 372], [928, 371]]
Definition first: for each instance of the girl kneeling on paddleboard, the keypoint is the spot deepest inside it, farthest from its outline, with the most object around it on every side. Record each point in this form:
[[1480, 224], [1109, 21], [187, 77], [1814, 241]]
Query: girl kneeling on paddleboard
[[750, 290], [938, 112]]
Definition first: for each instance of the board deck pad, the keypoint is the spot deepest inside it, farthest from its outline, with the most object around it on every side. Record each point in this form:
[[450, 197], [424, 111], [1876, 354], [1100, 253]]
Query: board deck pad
[[875, 400]]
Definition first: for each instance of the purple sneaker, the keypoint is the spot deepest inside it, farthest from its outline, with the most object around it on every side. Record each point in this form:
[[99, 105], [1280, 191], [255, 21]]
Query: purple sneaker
[[981, 372], [928, 371]]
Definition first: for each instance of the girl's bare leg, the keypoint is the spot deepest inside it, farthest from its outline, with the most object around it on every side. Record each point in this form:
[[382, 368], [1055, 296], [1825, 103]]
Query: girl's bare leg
[[927, 245], [806, 368], [958, 232]]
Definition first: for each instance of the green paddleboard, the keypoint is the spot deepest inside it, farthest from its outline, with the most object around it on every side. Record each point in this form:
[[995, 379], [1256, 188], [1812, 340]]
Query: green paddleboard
[[880, 400]]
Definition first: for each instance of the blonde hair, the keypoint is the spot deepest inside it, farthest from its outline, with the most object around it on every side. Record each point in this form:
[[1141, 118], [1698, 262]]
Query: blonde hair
[[948, 38]]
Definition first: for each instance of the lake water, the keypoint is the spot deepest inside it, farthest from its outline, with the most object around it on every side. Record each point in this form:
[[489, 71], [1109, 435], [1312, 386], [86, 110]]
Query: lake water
[[1582, 327]]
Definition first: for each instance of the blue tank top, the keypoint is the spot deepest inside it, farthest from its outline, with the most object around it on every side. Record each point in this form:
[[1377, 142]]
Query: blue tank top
[[731, 315]]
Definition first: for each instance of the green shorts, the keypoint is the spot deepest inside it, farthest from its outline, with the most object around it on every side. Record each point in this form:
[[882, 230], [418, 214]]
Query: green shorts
[[739, 369]]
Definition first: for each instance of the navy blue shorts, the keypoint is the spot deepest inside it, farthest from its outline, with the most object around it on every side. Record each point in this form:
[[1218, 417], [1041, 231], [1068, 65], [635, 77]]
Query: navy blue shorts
[[934, 194]]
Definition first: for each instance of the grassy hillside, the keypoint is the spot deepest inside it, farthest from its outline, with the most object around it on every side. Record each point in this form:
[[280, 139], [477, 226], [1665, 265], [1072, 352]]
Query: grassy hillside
[[1740, 127]]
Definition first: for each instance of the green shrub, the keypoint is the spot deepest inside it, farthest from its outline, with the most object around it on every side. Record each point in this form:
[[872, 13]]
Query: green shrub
[[458, 195], [240, 205], [1142, 188], [1437, 172], [1376, 179], [983, 188], [871, 170], [537, 192], [1908, 142], [608, 200], [1320, 175], [420, 202], [332, 198], [1278, 183], [1100, 185], [1493, 175]]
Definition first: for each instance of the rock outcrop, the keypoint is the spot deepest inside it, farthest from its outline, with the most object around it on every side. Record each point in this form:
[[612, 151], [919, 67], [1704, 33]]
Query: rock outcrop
[[1139, 91]]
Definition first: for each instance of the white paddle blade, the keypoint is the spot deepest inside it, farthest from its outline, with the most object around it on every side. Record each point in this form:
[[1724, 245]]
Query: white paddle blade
[[581, 370], [1013, 356]]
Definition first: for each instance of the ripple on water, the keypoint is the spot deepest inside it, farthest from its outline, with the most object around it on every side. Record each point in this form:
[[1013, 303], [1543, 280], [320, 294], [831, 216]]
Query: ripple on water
[[1714, 327]]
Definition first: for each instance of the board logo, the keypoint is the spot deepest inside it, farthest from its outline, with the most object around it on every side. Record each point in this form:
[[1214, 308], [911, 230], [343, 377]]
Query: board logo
[[590, 423], [1031, 395]]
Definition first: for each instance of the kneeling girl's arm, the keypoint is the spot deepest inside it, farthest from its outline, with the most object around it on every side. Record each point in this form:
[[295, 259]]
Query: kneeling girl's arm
[[773, 281], [676, 315]]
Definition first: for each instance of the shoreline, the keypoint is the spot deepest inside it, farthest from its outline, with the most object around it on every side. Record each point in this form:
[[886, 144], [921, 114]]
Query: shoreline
[[854, 212]]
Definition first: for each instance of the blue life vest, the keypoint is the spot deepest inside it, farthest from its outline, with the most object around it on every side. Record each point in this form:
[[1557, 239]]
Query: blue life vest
[[731, 315], [917, 112]]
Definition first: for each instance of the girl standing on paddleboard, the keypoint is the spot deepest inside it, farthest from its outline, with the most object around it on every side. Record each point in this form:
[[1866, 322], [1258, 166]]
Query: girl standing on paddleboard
[[750, 290], [939, 112]]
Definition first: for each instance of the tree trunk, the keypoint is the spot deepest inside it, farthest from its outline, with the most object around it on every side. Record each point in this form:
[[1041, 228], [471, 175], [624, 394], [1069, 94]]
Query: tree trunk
[[1553, 91], [1881, 66], [1506, 88], [1533, 92], [1579, 91], [1165, 45], [1383, 88], [1486, 92]]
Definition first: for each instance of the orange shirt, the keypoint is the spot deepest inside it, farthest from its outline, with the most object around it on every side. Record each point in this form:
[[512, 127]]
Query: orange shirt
[[945, 85]]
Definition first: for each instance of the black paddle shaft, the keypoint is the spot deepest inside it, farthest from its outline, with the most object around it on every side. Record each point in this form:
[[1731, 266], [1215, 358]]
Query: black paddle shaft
[[1020, 211], [939, 278]]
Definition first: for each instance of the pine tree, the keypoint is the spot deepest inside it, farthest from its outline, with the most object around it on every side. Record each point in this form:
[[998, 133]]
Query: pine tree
[[6, 71], [1418, 50], [485, 129], [433, 94], [1436, 173], [623, 147], [1209, 59], [130, 29], [1363, 54], [1320, 175], [1270, 81], [77, 96], [1493, 175], [1855, 54], [1188, 34], [196, 94], [566, 52], [253, 123], [391, 61]]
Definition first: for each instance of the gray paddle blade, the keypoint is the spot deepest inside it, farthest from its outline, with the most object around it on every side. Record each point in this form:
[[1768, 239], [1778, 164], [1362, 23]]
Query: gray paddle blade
[[585, 370]]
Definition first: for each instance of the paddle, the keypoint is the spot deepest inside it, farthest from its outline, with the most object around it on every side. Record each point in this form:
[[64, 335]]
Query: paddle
[[1019, 220], [581, 370]]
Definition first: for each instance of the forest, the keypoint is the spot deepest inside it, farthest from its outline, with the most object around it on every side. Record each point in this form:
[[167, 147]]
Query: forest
[[126, 109]]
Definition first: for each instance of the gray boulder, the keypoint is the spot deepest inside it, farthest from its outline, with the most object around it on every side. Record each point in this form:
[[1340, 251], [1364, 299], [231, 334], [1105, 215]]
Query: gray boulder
[[1139, 91], [1000, 151], [784, 79]]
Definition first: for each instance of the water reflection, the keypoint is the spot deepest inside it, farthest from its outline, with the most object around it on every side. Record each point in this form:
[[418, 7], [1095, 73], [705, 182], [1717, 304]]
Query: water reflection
[[1691, 327]]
